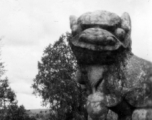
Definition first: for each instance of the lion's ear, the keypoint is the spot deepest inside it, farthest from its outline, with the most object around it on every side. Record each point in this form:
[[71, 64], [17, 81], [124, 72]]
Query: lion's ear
[[126, 22], [126, 25], [73, 21]]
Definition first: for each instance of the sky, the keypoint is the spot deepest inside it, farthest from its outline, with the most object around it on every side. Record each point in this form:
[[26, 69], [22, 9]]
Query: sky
[[27, 27]]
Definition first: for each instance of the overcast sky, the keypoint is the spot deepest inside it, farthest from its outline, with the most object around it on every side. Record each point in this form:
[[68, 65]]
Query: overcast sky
[[28, 26]]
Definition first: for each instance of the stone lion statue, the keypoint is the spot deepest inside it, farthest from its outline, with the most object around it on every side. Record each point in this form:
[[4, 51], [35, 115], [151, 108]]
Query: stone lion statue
[[115, 78]]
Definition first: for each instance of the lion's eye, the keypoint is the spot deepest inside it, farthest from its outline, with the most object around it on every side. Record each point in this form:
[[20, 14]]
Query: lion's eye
[[120, 33]]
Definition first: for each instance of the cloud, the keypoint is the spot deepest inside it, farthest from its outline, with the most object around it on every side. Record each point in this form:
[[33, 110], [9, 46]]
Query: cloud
[[21, 62], [29, 101], [25, 97], [20, 29], [141, 32], [22, 88]]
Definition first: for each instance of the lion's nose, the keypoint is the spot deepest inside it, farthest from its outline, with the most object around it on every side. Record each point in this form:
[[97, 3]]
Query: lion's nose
[[98, 36]]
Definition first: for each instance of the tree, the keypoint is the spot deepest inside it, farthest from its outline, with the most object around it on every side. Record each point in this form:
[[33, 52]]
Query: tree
[[15, 112], [9, 108], [55, 82], [7, 95]]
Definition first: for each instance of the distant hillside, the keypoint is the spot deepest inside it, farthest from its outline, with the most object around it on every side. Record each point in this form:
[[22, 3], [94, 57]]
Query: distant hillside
[[38, 113], [38, 110]]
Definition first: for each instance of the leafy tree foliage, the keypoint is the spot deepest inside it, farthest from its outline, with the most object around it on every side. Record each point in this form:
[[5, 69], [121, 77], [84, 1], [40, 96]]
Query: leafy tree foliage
[[7, 96], [15, 112], [55, 82]]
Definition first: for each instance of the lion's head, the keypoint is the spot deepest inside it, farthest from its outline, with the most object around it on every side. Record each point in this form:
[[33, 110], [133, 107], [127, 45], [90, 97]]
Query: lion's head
[[99, 32]]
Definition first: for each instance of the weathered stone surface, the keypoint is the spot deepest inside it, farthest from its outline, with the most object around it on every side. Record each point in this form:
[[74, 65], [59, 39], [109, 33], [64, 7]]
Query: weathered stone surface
[[96, 106], [99, 17], [142, 114], [116, 79], [111, 116]]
